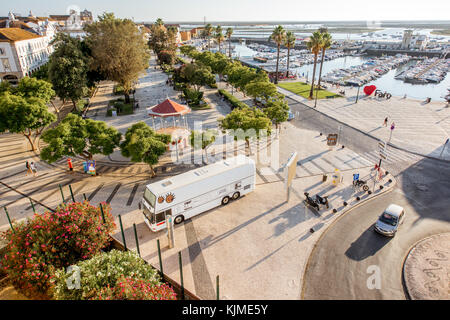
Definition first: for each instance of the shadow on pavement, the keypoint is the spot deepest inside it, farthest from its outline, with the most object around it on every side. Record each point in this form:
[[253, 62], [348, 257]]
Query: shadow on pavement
[[368, 243]]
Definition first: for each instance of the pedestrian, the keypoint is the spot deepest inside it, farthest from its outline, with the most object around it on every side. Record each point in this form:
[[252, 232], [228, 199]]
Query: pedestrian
[[385, 122], [69, 162], [33, 168], [404, 97], [27, 164]]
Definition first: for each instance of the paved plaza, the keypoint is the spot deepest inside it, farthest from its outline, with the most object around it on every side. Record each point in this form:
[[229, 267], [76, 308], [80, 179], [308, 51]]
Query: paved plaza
[[420, 128]]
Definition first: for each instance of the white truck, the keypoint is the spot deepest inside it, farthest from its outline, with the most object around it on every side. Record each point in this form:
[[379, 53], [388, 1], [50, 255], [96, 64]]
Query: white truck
[[196, 191]]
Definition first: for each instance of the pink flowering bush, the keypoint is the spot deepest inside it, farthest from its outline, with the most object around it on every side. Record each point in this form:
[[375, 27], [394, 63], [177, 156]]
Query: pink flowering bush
[[54, 240], [135, 289]]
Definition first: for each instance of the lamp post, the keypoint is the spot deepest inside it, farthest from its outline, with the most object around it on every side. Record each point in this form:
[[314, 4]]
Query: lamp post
[[357, 95]]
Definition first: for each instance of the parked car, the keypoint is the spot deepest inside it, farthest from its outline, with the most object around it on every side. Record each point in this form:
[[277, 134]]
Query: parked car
[[389, 221]]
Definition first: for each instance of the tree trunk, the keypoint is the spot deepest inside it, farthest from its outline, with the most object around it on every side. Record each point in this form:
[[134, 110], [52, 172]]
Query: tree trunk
[[56, 110], [289, 55], [314, 74], [28, 136], [229, 47], [219, 46], [153, 174], [278, 59], [127, 98], [320, 70]]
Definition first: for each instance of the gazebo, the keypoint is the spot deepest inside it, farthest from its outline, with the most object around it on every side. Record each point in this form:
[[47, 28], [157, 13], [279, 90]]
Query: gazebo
[[180, 135], [169, 108]]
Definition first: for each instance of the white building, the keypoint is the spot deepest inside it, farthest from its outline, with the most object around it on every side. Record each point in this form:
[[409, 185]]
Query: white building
[[414, 41], [21, 53]]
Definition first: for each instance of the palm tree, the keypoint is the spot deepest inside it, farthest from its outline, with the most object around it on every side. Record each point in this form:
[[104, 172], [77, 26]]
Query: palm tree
[[229, 33], [208, 32], [219, 36], [289, 43], [326, 44], [314, 44], [159, 22], [278, 35]]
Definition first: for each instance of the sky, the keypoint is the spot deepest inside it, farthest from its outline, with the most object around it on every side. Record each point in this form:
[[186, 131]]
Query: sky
[[242, 10]]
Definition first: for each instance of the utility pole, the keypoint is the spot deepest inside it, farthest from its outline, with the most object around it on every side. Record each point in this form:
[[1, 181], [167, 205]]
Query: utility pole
[[357, 95]]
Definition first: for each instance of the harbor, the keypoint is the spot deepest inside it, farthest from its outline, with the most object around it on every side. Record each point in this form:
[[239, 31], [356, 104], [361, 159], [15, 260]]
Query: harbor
[[355, 70]]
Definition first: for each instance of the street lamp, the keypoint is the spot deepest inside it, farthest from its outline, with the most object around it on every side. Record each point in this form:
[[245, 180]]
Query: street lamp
[[357, 95]]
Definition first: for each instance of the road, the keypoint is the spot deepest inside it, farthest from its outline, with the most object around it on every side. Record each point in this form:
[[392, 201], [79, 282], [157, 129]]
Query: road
[[338, 265]]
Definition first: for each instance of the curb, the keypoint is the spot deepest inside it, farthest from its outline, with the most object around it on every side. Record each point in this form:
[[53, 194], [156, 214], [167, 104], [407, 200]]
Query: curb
[[359, 130], [302, 293]]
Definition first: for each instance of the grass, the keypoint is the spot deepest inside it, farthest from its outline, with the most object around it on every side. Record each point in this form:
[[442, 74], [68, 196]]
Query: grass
[[235, 102], [121, 107], [303, 89], [443, 32]]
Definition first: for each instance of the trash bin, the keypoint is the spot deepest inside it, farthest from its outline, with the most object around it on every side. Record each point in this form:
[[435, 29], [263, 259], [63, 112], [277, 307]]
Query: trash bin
[[324, 178]]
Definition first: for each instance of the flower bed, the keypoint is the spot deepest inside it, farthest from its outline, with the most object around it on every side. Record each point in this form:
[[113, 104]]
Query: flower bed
[[39, 246]]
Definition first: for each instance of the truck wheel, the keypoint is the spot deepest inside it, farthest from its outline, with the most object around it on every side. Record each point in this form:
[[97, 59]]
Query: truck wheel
[[366, 187], [179, 219], [236, 195], [225, 200]]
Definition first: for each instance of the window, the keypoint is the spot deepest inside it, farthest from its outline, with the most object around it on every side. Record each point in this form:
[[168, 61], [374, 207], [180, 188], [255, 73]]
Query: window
[[150, 197], [6, 64]]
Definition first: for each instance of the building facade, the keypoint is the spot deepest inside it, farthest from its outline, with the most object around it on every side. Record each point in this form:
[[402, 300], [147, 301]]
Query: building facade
[[21, 53]]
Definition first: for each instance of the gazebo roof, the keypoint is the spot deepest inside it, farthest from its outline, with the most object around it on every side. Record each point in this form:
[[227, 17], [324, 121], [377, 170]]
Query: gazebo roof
[[168, 108]]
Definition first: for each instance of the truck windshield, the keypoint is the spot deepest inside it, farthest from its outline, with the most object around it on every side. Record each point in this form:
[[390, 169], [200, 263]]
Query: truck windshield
[[149, 197]]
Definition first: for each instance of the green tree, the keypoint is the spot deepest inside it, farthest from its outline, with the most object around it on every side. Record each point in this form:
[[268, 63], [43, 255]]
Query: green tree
[[119, 50], [278, 36], [197, 75], [219, 36], [326, 44], [277, 111], [260, 89], [289, 43], [68, 69], [246, 123], [187, 50], [142, 144], [77, 136], [314, 44], [229, 33], [26, 116], [203, 139]]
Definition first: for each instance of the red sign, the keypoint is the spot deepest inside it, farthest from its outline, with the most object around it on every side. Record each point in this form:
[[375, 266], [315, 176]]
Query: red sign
[[368, 90]]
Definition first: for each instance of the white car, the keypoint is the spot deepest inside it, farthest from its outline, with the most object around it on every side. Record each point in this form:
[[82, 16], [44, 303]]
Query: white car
[[389, 220]]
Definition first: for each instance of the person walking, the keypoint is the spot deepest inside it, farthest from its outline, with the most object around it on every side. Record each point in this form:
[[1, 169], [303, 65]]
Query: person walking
[[27, 164], [33, 168], [69, 162], [385, 122]]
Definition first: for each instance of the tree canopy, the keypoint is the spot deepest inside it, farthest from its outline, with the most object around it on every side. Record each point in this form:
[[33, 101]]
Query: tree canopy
[[77, 136], [277, 111], [119, 50], [197, 75], [68, 68], [246, 123], [143, 144], [24, 115]]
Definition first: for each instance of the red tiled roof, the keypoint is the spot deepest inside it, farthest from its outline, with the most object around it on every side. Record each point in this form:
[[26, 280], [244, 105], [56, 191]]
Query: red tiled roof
[[168, 108]]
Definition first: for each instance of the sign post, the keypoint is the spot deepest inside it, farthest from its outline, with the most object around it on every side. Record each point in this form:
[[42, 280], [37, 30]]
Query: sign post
[[382, 151], [290, 172], [332, 140], [169, 224]]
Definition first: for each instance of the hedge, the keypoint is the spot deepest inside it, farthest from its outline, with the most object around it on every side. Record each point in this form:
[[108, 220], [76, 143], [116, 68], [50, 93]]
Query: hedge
[[235, 102]]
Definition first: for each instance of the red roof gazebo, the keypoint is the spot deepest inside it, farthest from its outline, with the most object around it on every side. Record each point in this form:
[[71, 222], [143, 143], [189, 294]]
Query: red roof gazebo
[[168, 108]]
